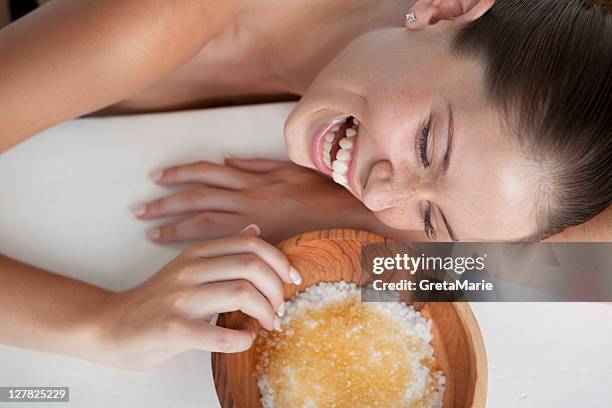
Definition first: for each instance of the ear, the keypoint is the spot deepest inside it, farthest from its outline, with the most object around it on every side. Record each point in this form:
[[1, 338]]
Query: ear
[[429, 12]]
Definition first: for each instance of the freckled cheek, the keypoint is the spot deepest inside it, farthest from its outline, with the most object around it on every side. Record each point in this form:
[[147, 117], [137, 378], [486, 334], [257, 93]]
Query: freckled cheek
[[380, 139], [374, 202], [388, 121], [398, 111], [404, 219]]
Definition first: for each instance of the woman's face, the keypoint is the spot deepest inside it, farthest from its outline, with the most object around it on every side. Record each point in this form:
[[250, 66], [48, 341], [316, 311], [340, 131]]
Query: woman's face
[[430, 151]]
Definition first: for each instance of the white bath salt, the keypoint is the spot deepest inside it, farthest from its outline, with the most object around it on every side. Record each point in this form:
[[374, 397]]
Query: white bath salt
[[335, 351]]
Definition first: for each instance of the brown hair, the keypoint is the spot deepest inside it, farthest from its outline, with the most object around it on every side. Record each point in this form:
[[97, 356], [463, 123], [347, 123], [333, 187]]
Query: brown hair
[[549, 69]]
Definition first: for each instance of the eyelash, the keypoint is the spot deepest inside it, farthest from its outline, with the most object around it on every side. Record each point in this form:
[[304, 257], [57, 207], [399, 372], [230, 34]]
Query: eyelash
[[427, 226], [423, 141]]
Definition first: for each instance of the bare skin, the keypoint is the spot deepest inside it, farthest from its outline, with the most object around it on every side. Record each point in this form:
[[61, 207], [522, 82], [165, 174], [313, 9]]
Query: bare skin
[[77, 319], [278, 69], [161, 55]]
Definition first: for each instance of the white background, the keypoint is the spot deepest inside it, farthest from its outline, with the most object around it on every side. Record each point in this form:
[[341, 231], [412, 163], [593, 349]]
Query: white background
[[63, 206]]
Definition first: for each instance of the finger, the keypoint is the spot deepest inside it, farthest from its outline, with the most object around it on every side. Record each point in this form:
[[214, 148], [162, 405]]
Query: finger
[[230, 296], [196, 199], [240, 244], [246, 267], [255, 165], [198, 335], [206, 225], [204, 172]]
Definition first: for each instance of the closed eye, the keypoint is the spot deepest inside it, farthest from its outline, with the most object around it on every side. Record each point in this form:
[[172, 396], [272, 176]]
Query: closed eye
[[423, 145]]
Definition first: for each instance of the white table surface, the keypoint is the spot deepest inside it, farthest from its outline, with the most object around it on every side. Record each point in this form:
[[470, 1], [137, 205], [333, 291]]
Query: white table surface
[[63, 206]]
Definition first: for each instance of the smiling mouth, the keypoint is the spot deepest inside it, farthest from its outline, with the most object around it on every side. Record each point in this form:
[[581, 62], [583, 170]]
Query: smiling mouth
[[337, 150]]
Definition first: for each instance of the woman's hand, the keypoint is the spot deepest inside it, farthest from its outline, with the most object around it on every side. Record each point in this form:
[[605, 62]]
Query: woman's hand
[[281, 197], [170, 313]]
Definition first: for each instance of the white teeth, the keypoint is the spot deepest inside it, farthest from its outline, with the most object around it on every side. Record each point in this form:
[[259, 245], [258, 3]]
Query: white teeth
[[340, 179], [346, 143], [344, 155], [340, 167], [327, 146]]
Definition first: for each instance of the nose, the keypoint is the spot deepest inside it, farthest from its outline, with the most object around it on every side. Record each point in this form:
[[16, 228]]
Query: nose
[[387, 187]]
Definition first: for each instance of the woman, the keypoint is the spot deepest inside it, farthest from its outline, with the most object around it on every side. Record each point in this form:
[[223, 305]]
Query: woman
[[474, 123]]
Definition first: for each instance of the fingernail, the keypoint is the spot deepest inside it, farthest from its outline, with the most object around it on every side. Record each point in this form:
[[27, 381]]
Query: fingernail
[[277, 324], [154, 233], [294, 275], [156, 175], [281, 310], [253, 228], [138, 209], [253, 335]]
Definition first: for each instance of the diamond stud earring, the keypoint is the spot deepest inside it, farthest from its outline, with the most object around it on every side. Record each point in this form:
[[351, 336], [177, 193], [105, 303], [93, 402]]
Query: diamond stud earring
[[410, 18]]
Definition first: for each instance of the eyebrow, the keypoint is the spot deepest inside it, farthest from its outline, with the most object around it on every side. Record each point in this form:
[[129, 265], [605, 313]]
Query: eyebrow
[[446, 163]]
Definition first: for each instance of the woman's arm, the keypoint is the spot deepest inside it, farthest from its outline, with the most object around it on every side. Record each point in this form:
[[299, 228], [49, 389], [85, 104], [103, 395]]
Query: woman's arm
[[72, 57], [164, 316], [44, 311]]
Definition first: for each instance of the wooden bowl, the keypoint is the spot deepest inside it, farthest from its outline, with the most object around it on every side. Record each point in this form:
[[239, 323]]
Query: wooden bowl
[[334, 255]]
